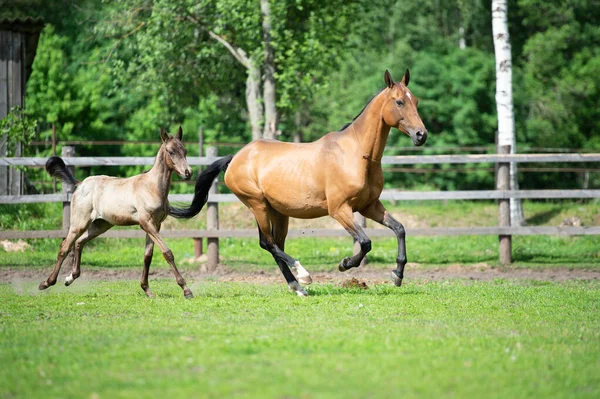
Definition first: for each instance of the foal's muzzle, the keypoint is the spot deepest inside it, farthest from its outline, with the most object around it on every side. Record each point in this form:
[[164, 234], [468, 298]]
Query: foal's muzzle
[[187, 175]]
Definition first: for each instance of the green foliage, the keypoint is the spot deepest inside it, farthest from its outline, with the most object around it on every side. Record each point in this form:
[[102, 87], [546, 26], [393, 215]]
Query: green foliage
[[18, 129], [454, 338], [121, 70]]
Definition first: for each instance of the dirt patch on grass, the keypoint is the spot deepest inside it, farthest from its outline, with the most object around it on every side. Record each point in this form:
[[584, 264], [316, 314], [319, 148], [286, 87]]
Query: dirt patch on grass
[[355, 283], [361, 277]]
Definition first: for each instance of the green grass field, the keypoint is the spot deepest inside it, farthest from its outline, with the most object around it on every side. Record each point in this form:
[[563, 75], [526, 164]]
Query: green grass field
[[455, 338], [447, 339]]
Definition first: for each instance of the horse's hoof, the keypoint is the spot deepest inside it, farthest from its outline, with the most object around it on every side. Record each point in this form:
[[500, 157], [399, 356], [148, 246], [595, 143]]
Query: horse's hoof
[[397, 280], [297, 288], [69, 280], [343, 266], [306, 280], [43, 285], [150, 294], [188, 294]]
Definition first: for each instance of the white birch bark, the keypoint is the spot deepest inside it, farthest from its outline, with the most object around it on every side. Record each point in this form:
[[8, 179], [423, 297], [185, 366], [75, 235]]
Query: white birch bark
[[504, 102]]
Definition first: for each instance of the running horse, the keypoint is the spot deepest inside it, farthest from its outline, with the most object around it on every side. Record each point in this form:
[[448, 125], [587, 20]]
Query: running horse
[[336, 175], [101, 202]]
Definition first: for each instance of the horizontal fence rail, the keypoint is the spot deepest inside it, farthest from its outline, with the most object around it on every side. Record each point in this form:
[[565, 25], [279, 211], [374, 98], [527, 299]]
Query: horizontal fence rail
[[371, 232], [387, 195], [386, 160]]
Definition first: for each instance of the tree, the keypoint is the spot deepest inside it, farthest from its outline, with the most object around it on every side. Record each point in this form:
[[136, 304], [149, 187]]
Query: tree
[[504, 97]]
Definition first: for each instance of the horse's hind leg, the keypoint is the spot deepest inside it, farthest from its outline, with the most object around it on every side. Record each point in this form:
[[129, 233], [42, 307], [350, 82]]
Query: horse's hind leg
[[96, 228], [263, 213], [65, 247], [377, 212], [279, 230], [345, 217]]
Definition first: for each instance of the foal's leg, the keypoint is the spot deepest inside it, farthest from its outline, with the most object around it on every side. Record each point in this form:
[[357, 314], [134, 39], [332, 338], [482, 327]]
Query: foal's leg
[[345, 217], [279, 229], [377, 212], [96, 228], [147, 261], [152, 231], [65, 247]]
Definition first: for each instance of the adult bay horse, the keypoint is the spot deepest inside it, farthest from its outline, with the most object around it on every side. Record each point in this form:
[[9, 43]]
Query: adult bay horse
[[336, 175], [101, 202]]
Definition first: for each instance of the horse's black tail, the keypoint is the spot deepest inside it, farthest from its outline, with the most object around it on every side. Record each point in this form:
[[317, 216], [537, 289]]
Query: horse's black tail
[[203, 183], [56, 167]]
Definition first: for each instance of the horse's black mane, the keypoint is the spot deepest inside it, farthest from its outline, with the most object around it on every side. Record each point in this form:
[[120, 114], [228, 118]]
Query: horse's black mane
[[361, 111]]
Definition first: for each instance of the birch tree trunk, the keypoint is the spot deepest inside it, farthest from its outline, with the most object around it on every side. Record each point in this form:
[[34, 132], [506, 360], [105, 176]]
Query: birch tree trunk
[[253, 102], [504, 102], [269, 94]]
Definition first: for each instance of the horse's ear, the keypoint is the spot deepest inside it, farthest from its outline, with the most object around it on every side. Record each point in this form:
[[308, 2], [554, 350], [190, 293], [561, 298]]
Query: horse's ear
[[163, 135], [180, 133], [406, 78], [389, 81]]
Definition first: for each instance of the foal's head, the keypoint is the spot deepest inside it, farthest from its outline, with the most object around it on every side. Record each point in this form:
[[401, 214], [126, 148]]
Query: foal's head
[[175, 153], [400, 109]]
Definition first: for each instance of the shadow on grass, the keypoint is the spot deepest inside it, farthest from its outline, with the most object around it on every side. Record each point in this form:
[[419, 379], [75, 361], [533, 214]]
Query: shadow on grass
[[387, 290], [543, 217]]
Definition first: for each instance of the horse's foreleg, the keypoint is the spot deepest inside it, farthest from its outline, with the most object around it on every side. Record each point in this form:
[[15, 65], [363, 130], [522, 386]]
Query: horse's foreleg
[[345, 217], [377, 212], [152, 231], [96, 228], [147, 261]]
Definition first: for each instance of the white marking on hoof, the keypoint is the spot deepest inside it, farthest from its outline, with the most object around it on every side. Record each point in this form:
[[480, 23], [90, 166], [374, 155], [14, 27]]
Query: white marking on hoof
[[297, 288], [69, 279], [303, 275]]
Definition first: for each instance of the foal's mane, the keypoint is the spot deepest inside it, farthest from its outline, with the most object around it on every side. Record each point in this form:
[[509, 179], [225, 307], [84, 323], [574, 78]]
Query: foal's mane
[[362, 110]]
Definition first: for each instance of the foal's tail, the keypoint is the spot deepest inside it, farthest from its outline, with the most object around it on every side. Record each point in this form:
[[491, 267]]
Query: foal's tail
[[56, 167], [203, 183]]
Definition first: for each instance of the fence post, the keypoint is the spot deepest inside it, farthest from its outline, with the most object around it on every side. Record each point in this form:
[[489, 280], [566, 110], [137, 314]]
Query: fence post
[[503, 183], [67, 152], [212, 219], [362, 222], [198, 240]]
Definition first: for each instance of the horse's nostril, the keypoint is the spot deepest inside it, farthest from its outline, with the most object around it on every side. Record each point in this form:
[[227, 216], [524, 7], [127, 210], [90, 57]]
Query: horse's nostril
[[419, 135]]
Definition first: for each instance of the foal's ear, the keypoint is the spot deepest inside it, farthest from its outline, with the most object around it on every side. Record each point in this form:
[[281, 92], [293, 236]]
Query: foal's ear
[[180, 133], [389, 81], [406, 78], [163, 135]]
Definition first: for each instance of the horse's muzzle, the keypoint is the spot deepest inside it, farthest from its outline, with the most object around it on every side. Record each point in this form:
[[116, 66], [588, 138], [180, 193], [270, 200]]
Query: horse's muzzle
[[419, 137], [187, 174]]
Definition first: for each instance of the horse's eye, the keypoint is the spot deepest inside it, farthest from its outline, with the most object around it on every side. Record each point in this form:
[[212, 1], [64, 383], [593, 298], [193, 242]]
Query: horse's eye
[[171, 153], [400, 103]]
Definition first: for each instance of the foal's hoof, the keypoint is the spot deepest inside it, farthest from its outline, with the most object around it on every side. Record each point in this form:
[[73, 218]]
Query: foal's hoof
[[343, 266], [397, 280], [69, 280], [43, 285], [297, 288], [188, 293]]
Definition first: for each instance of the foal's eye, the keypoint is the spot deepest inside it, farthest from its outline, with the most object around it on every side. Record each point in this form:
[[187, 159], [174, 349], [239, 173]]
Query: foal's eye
[[400, 103], [171, 153]]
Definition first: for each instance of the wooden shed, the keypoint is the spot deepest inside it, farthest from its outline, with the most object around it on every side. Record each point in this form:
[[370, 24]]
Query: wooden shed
[[18, 44]]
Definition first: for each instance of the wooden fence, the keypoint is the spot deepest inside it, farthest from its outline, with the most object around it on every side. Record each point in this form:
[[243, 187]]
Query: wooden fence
[[213, 233]]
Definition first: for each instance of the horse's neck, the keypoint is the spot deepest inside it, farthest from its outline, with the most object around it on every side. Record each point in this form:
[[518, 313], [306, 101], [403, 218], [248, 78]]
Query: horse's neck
[[370, 130], [161, 174]]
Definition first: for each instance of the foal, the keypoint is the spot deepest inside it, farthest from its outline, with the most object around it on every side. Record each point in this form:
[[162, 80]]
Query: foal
[[101, 202], [336, 175]]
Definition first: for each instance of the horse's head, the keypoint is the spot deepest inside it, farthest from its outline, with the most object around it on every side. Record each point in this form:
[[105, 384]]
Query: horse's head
[[400, 109], [175, 153]]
